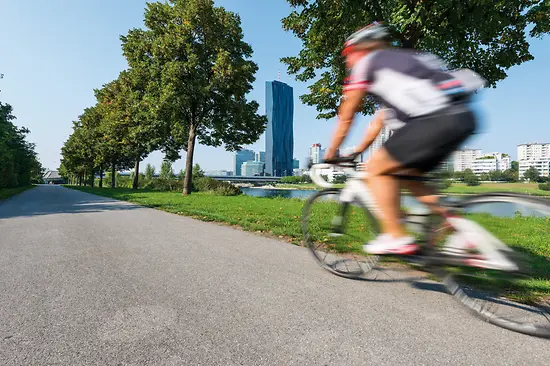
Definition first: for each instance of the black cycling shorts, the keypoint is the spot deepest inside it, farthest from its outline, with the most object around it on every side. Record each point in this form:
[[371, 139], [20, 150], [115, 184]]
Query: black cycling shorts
[[425, 142]]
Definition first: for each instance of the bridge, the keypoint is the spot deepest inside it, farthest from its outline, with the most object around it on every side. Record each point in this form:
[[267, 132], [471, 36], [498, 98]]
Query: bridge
[[239, 179]]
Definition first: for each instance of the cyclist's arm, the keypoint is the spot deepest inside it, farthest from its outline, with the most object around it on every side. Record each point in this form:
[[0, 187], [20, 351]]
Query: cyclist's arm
[[374, 128], [350, 104]]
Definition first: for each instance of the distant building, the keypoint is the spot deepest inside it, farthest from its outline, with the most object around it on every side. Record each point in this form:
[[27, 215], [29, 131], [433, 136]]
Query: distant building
[[53, 177], [533, 151], [295, 164], [260, 156], [541, 164], [279, 140], [219, 173], [382, 137], [535, 155], [315, 153], [463, 159], [239, 158], [490, 162], [252, 168]]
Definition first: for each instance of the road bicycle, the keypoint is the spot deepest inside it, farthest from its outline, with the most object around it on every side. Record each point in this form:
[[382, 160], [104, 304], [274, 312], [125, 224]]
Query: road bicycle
[[507, 285]]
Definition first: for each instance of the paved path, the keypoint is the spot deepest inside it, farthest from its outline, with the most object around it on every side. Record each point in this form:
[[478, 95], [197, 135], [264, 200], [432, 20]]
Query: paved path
[[90, 281]]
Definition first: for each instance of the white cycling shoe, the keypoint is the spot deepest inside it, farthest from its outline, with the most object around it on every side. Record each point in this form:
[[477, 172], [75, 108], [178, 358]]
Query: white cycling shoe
[[387, 244]]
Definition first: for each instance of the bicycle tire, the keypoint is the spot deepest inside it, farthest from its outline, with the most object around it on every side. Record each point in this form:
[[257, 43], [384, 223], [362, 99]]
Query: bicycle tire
[[473, 299], [364, 266]]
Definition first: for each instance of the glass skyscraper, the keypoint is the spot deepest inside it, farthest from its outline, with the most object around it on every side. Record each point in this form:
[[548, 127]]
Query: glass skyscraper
[[279, 138], [239, 158]]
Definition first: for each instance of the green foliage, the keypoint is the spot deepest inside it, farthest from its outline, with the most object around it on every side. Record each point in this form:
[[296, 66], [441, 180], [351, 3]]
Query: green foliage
[[531, 174], [19, 165], [162, 184], [470, 178], [149, 171], [199, 66], [339, 179], [486, 36], [445, 183], [544, 186], [514, 166], [197, 171], [166, 171], [181, 175], [296, 179], [208, 184]]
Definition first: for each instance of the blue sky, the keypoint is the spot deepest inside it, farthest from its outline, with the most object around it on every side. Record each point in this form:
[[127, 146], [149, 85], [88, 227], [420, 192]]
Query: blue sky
[[54, 53]]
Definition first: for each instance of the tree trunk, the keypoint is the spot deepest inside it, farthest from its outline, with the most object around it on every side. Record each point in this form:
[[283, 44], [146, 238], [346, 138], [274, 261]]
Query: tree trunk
[[113, 177], [187, 181], [92, 178], [85, 179], [136, 175], [101, 176]]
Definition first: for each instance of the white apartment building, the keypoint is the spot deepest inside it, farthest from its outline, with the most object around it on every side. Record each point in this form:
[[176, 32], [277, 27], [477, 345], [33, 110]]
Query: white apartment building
[[479, 162], [534, 155], [533, 151], [541, 164], [463, 159], [382, 137], [316, 153]]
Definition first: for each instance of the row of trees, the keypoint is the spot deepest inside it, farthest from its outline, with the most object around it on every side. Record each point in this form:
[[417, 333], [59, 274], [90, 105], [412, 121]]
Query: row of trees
[[188, 76], [19, 165]]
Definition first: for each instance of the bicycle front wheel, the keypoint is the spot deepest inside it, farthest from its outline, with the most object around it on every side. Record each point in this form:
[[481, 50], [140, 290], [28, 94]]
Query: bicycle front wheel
[[335, 232], [517, 300]]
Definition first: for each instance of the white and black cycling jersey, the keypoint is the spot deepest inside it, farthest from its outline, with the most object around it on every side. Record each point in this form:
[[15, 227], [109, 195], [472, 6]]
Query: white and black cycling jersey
[[408, 83]]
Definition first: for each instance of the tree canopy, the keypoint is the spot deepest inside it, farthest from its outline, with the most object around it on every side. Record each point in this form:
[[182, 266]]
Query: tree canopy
[[188, 76], [19, 165], [202, 71], [488, 37]]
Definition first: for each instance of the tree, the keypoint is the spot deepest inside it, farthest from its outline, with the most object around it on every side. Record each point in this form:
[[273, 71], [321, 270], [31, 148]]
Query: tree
[[181, 174], [486, 36], [166, 171], [200, 64], [470, 178], [132, 119], [197, 171], [149, 171], [532, 174], [19, 164], [510, 175], [514, 166]]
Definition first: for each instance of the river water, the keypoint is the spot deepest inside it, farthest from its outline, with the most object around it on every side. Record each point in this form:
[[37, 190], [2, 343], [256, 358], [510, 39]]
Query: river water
[[496, 209]]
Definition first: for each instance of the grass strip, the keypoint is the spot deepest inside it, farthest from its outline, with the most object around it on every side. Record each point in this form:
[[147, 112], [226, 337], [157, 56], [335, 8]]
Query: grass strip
[[6, 193]]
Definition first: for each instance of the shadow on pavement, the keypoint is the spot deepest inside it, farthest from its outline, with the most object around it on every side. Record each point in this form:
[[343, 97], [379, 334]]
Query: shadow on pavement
[[51, 200]]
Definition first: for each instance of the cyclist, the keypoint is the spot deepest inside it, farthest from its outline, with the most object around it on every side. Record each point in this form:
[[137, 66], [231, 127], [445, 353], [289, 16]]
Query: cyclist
[[425, 107]]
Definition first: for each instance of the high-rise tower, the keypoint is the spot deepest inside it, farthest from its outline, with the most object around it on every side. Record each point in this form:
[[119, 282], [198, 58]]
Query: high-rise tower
[[279, 139]]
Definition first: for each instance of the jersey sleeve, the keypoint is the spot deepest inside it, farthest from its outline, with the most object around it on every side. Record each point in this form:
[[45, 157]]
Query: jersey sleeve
[[360, 77]]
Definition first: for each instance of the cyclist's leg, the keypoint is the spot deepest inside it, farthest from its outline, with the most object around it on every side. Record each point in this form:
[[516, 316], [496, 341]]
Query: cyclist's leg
[[385, 189], [420, 144], [423, 193]]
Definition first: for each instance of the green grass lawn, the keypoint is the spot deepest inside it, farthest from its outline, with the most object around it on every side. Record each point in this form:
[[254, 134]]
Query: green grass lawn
[[281, 217], [6, 193], [459, 188], [526, 188]]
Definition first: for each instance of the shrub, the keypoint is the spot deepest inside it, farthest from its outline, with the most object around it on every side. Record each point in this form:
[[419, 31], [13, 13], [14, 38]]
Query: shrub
[[160, 184], [544, 186], [445, 183], [207, 184]]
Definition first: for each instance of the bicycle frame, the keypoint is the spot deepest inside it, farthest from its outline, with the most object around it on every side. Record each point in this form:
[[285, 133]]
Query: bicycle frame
[[355, 189]]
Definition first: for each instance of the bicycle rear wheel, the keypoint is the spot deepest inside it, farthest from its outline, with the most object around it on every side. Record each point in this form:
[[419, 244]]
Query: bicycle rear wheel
[[518, 300], [335, 232]]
